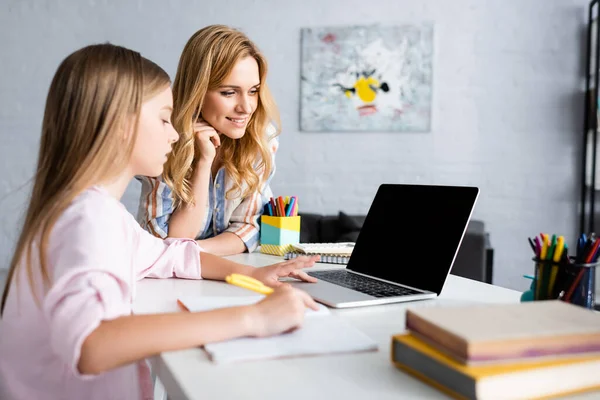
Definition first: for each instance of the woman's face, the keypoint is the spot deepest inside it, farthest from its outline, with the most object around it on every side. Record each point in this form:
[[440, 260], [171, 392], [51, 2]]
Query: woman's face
[[229, 107]]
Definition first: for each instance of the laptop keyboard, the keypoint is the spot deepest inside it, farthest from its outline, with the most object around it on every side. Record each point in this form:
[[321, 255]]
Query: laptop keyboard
[[362, 284]]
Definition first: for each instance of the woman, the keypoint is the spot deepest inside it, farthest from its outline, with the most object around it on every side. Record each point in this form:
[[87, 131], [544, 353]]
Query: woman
[[216, 181]]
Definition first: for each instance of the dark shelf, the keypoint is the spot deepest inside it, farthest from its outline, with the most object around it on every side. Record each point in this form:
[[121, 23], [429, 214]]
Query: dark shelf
[[590, 124]]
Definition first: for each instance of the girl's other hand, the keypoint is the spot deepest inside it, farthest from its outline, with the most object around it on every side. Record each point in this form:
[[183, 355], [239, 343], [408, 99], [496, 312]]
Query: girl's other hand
[[270, 274]]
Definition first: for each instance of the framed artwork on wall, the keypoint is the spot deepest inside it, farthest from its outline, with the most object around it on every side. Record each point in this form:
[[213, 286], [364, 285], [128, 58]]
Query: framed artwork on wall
[[366, 78]]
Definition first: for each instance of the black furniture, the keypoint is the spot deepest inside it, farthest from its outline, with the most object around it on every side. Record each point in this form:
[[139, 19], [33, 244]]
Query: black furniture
[[588, 205]]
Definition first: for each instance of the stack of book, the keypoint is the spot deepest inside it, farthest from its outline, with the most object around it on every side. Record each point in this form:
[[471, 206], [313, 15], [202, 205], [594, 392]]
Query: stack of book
[[539, 349]]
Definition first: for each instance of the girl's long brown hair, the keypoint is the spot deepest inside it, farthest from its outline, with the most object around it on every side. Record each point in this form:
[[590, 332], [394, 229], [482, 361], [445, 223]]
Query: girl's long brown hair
[[207, 59], [96, 95]]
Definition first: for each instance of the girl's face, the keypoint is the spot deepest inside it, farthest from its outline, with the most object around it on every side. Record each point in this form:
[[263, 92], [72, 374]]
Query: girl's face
[[155, 135], [229, 107]]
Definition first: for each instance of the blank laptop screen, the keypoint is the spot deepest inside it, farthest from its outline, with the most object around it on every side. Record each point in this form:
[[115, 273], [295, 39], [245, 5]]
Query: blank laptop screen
[[412, 233]]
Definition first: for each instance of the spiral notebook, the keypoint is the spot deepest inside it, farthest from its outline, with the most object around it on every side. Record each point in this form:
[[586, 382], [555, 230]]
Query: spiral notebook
[[332, 253]]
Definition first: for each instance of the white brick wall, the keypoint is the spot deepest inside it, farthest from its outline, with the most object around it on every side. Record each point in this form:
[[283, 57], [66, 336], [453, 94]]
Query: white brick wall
[[507, 102]]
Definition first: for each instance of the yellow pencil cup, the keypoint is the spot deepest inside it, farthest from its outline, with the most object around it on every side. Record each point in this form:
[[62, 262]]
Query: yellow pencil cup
[[277, 234]]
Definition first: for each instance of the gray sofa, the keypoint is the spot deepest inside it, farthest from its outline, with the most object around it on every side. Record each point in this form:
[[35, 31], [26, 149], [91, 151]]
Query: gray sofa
[[474, 259]]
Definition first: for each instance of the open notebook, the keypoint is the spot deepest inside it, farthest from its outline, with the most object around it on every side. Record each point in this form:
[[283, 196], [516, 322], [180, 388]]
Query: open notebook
[[321, 333]]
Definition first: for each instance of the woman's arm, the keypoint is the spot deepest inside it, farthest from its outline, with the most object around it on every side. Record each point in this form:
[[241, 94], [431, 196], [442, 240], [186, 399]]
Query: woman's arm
[[244, 222], [243, 232], [186, 221], [224, 244]]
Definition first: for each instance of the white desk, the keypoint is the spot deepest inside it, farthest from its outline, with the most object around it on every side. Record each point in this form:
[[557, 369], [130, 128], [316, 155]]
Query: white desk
[[188, 374]]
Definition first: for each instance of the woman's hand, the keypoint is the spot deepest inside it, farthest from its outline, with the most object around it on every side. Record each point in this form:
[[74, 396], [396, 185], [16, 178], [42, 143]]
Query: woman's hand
[[270, 274], [281, 311], [207, 141]]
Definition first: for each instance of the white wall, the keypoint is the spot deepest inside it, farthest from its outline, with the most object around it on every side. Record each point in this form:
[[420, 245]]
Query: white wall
[[507, 102]]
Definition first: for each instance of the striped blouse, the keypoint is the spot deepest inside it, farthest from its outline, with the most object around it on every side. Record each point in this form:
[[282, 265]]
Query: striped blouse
[[238, 215]]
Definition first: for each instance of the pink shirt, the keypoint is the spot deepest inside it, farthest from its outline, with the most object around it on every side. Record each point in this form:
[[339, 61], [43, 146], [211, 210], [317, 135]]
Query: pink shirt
[[97, 252]]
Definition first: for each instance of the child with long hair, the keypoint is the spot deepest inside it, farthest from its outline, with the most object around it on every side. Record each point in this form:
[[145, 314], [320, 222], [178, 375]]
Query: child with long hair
[[67, 329], [217, 179]]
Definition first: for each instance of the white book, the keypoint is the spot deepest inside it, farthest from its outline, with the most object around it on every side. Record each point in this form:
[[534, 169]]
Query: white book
[[321, 333]]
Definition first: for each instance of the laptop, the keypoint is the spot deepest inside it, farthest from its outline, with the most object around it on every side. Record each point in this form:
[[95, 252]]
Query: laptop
[[405, 249]]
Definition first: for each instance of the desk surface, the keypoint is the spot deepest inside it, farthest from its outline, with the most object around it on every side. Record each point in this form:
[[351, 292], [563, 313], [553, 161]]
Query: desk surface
[[188, 374]]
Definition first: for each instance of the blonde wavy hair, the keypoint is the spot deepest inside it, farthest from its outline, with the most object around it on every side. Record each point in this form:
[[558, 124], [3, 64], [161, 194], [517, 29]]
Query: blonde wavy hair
[[207, 59], [95, 94]]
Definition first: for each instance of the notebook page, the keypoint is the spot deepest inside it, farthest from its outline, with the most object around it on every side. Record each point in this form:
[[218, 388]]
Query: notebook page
[[207, 303], [321, 333]]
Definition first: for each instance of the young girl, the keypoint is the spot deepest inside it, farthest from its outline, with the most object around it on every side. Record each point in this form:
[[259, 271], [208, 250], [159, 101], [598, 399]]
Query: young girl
[[66, 330], [216, 180]]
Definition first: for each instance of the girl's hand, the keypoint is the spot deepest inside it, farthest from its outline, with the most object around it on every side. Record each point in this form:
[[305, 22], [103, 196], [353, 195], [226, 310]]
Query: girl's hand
[[281, 311], [207, 141], [270, 274]]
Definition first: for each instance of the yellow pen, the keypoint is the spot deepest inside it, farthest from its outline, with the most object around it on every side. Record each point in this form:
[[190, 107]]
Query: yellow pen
[[249, 283], [545, 244]]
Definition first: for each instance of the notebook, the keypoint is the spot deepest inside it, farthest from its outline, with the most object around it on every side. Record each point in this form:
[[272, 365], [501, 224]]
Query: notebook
[[492, 333], [331, 253], [321, 333], [342, 248], [325, 258], [542, 379]]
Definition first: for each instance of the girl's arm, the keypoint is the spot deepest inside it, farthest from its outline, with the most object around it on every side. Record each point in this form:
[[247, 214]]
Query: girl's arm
[[91, 329], [88, 307], [181, 258], [130, 338], [217, 268]]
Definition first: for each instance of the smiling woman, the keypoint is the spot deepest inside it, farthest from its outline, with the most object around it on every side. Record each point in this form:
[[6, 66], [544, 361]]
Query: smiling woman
[[216, 181]]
